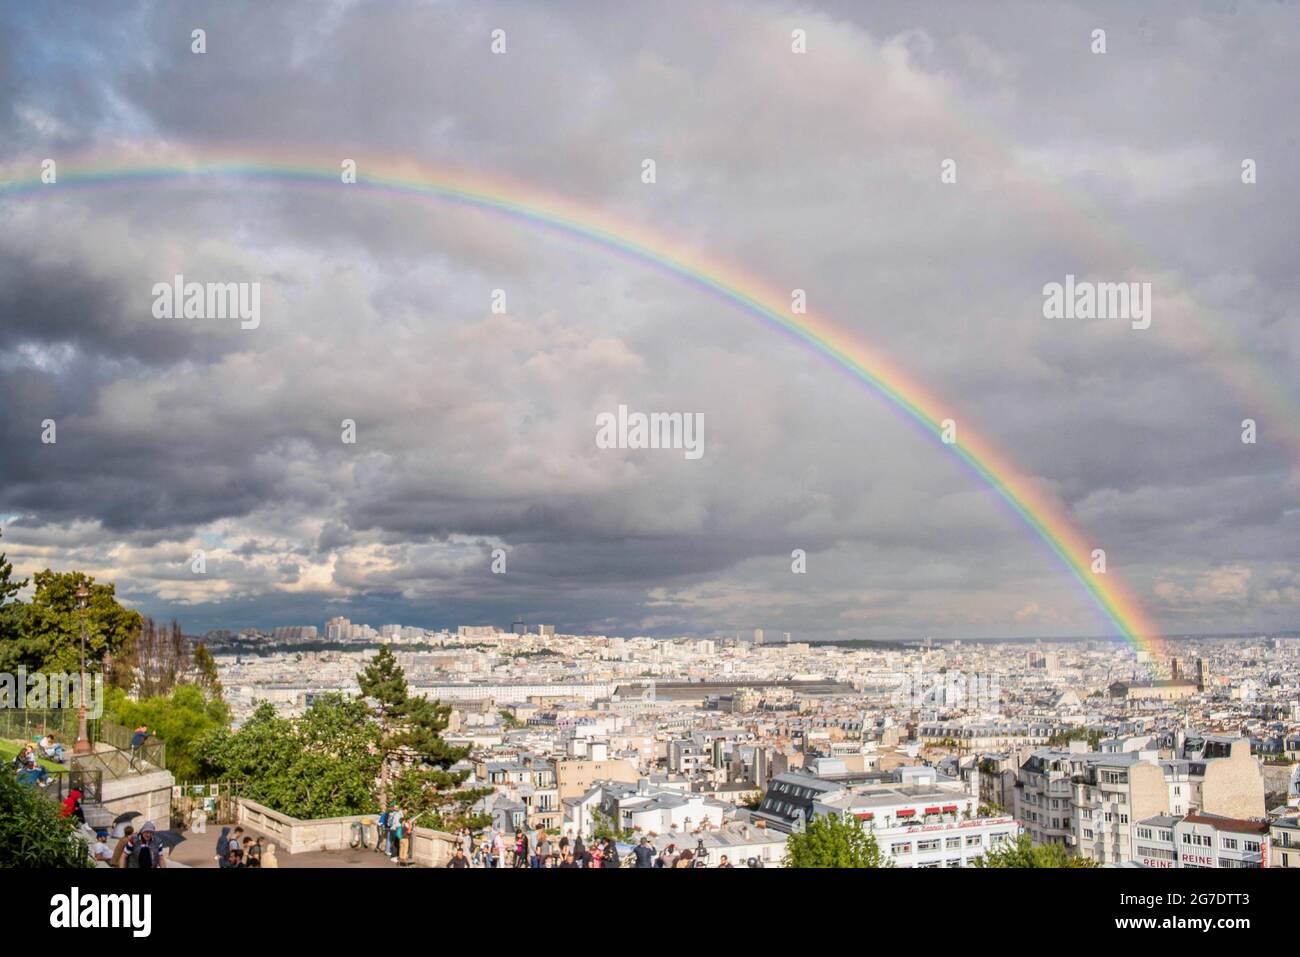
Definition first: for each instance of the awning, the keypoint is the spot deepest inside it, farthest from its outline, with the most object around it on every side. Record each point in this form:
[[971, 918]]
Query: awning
[[908, 813], [932, 810], [950, 809]]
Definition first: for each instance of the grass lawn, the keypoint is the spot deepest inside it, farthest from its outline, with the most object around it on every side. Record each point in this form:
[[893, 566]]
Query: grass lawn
[[9, 750]]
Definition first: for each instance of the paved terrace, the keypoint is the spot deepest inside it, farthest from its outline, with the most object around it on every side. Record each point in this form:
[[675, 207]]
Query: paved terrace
[[200, 850]]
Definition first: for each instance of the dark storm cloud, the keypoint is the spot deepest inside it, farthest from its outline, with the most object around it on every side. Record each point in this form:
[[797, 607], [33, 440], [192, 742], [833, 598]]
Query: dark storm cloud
[[475, 430]]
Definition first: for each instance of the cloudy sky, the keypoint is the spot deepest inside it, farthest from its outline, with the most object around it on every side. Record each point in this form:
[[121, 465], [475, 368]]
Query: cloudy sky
[[475, 430]]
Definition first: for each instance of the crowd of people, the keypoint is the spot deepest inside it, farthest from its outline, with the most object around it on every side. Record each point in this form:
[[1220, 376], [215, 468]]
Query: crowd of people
[[494, 848], [237, 849]]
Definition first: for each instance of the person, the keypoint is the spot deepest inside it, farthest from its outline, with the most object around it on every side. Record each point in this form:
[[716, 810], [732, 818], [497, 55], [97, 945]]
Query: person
[[521, 848], [596, 855], [234, 857], [687, 859], [498, 849], [139, 737], [669, 856], [381, 842], [253, 862], [458, 859], [579, 849], [21, 758], [543, 854], [610, 860], [101, 851], [223, 847], [52, 747], [253, 850], [144, 849], [394, 832], [467, 842], [407, 855], [564, 846], [569, 861], [72, 806], [199, 819], [724, 862], [268, 857], [644, 853], [119, 849], [34, 775]]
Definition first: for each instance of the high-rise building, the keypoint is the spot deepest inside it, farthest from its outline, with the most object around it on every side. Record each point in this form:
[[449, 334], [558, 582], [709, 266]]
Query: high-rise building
[[758, 636]]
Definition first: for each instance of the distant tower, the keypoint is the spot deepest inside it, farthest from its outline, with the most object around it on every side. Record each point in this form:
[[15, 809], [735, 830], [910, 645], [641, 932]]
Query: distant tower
[[758, 636], [1202, 675], [1174, 668], [785, 637], [519, 627]]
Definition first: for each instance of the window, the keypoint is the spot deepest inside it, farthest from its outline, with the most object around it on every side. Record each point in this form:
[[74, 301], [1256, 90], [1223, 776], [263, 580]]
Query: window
[[1230, 843], [972, 840], [1252, 847]]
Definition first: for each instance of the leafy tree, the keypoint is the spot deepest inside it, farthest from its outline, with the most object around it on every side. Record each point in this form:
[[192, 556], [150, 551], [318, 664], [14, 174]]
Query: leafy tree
[[12, 614], [205, 667], [32, 832], [410, 736], [602, 826], [323, 764], [1023, 852], [832, 841], [754, 801], [1092, 735], [179, 719], [51, 627]]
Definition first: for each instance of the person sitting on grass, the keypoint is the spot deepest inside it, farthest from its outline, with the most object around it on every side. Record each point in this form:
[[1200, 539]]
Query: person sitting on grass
[[32, 775]]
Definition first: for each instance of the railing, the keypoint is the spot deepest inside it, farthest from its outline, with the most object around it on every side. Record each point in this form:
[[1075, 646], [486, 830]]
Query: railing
[[26, 724], [152, 751], [90, 782]]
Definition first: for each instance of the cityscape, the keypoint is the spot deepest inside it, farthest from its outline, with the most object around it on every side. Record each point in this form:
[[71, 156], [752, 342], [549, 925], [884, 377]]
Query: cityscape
[[841, 438]]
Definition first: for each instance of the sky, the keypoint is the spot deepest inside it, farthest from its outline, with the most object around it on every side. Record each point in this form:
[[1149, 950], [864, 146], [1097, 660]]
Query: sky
[[475, 430]]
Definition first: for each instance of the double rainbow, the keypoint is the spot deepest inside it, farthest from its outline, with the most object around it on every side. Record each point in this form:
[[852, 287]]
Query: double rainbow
[[1040, 512]]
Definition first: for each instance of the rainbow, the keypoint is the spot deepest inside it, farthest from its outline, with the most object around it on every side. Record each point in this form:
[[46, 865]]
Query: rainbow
[[1038, 511]]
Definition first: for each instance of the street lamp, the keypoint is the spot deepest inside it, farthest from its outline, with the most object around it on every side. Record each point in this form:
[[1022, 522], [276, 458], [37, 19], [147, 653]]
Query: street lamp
[[83, 745]]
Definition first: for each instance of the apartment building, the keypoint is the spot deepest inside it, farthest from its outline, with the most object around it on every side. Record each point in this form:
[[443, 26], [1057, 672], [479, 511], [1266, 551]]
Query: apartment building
[[1200, 840], [1284, 843], [918, 817], [985, 737], [1088, 801]]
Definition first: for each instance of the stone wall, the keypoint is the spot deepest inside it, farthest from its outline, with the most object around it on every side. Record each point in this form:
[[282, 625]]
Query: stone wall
[[295, 836]]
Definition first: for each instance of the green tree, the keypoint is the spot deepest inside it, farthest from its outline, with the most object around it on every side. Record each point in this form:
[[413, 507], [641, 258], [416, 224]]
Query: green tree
[[832, 841], [12, 615], [205, 667], [33, 834], [51, 627], [410, 737], [323, 764], [179, 719], [602, 826], [1023, 852]]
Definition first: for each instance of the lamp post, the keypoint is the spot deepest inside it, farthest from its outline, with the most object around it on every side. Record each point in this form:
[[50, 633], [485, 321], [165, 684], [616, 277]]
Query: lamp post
[[83, 745]]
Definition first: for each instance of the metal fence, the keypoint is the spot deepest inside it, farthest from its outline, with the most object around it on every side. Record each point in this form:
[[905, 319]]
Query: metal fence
[[218, 804], [32, 724], [152, 751]]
